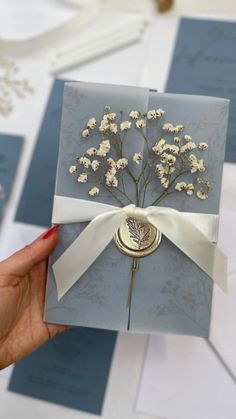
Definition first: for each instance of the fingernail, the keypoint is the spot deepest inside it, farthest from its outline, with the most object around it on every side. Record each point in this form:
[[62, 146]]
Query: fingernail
[[51, 231]]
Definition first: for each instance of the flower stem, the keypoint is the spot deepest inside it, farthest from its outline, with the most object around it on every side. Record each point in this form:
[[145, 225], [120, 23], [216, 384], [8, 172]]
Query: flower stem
[[134, 269]]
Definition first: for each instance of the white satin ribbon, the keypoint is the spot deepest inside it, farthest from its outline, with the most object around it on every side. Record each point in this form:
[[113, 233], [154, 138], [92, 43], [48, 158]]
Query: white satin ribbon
[[194, 234]]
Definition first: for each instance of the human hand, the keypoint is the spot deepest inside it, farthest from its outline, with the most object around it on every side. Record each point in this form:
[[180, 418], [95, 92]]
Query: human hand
[[22, 290]]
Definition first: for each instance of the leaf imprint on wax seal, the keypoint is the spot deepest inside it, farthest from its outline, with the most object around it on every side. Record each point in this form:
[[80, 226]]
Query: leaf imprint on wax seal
[[137, 238]]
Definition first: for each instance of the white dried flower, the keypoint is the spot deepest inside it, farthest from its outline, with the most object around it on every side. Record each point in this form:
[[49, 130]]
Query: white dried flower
[[104, 126], [201, 166], [111, 172], [111, 181], [176, 140], [169, 170], [95, 165], [85, 162], [180, 186], [122, 163], [83, 178], [165, 182], [203, 146], [113, 128], [168, 127], [187, 138], [111, 116], [159, 146], [189, 189], [137, 158], [151, 114], [170, 160], [91, 123], [178, 128], [159, 170], [85, 133], [140, 123], [201, 194], [125, 125], [104, 148], [72, 169], [91, 151], [111, 162], [164, 157], [94, 191], [188, 147], [134, 115], [160, 112]]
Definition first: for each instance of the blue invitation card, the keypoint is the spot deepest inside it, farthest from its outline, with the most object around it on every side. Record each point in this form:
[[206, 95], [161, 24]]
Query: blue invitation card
[[204, 63], [72, 370], [40, 180], [10, 149]]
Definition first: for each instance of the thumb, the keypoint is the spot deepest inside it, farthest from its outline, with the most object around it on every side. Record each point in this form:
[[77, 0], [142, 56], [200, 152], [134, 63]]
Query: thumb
[[21, 262]]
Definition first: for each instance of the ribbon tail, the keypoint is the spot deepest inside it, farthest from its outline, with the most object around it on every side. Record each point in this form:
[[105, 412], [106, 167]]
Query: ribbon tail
[[80, 255], [192, 242]]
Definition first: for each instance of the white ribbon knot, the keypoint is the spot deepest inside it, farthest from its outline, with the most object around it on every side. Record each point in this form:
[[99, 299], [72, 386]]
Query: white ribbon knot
[[194, 234]]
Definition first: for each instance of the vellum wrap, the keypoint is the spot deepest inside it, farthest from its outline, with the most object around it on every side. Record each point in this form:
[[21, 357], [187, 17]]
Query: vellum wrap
[[172, 294]]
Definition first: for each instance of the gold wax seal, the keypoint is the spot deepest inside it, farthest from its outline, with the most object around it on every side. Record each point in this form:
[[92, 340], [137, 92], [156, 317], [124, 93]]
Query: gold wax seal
[[137, 238]]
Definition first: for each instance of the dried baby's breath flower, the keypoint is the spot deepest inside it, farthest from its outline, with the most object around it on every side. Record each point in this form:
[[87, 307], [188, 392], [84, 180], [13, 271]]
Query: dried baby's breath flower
[[72, 169], [125, 125], [158, 148], [180, 186], [140, 123], [104, 126], [203, 146], [151, 114], [104, 148], [111, 180], [83, 178], [94, 191], [91, 123], [137, 158], [111, 116], [95, 165], [187, 138], [189, 189], [134, 115], [85, 133], [160, 112], [85, 162], [92, 151], [111, 162], [159, 170], [201, 194], [122, 163], [165, 182], [170, 160], [113, 128]]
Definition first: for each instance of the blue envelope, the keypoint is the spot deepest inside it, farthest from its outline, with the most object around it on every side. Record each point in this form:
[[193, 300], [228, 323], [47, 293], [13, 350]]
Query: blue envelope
[[10, 150], [203, 63]]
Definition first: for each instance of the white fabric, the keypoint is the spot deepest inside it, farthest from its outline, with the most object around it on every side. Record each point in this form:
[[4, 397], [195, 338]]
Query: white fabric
[[179, 229]]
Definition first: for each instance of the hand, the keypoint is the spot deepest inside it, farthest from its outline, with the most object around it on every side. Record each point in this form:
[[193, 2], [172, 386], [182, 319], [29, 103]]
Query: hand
[[22, 290]]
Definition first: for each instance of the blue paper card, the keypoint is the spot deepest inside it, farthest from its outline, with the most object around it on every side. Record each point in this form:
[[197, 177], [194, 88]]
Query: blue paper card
[[71, 370], [40, 180], [204, 63], [10, 149]]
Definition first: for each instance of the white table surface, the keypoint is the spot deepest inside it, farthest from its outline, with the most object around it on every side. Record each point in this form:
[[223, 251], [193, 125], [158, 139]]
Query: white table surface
[[143, 64]]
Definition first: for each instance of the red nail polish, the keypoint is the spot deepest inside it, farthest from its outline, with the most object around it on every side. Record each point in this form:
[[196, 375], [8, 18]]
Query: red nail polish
[[51, 231]]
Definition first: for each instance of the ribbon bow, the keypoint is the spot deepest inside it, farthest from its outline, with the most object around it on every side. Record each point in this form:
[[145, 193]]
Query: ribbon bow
[[194, 234]]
